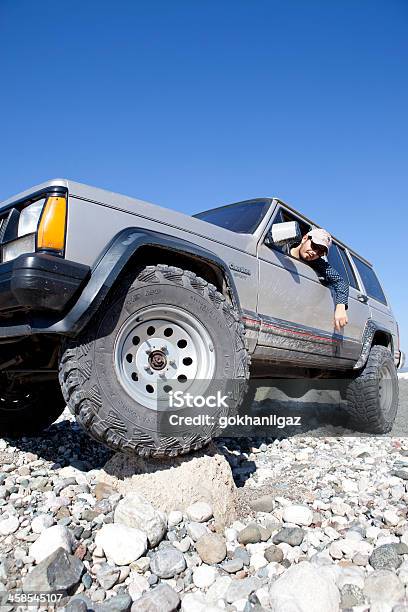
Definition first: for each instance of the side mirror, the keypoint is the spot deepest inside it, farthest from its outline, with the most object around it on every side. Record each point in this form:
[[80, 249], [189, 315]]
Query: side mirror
[[284, 233]]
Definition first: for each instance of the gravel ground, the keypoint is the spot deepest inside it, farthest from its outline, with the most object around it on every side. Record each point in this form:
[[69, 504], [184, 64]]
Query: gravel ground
[[323, 527]]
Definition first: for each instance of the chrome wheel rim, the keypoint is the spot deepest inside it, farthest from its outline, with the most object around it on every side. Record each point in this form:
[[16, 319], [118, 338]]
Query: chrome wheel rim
[[162, 349], [385, 392]]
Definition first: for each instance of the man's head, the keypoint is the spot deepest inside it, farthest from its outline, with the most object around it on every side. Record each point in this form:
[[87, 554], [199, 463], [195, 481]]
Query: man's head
[[315, 244]]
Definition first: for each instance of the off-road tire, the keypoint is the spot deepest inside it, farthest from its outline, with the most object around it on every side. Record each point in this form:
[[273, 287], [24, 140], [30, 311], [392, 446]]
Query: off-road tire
[[28, 408], [366, 412], [92, 389]]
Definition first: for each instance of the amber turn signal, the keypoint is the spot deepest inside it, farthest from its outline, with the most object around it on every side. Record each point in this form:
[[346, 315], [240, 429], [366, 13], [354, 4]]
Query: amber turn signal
[[51, 231]]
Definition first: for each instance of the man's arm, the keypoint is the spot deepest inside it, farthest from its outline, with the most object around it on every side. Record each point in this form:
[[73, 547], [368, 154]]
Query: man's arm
[[341, 290]]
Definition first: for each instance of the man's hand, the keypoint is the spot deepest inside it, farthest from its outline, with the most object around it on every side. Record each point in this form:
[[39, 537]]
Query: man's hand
[[340, 317]]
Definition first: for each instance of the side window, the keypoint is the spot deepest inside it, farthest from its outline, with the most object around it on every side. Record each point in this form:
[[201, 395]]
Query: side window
[[334, 258], [350, 272], [370, 280]]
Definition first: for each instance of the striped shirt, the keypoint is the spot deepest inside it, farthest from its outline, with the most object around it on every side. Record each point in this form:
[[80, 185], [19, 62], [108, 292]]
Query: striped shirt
[[333, 279]]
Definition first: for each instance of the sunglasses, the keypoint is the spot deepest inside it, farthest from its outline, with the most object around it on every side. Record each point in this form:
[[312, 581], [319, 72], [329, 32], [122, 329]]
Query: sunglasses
[[318, 248]]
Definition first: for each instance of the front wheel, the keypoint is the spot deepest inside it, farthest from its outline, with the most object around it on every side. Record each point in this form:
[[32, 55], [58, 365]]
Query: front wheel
[[372, 395], [164, 329], [26, 408]]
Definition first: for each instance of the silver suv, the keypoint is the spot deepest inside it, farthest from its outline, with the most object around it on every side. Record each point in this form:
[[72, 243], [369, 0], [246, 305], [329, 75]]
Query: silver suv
[[107, 297]]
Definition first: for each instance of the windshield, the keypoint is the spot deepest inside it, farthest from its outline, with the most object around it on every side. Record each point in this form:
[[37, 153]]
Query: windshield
[[242, 217]]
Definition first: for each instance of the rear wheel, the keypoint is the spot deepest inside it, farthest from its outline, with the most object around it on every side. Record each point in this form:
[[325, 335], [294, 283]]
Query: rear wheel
[[164, 329], [27, 408], [372, 395]]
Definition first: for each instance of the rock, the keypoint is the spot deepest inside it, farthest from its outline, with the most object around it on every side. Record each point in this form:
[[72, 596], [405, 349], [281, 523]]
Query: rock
[[299, 515], [42, 522], [167, 563], [195, 602], [137, 586], [204, 576], [391, 518], [9, 525], [199, 512], [234, 565], [160, 599], [211, 548], [219, 589], [265, 503], [242, 553], [258, 561], [240, 589], [290, 535], [50, 540], [196, 530], [79, 603], [59, 571], [385, 557], [117, 603], [135, 511], [302, 588], [174, 518], [351, 595], [121, 544], [383, 586], [249, 535], [203, 475], [273, 554], [107, 575]]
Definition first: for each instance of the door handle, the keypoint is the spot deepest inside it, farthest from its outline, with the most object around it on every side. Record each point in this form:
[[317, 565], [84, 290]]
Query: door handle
[[362, 298]]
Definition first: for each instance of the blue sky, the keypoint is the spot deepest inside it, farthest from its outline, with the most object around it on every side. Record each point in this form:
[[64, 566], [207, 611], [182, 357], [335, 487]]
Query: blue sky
[[195, 104]]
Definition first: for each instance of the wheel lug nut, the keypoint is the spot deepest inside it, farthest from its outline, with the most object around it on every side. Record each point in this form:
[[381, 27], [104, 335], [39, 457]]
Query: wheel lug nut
[[172, 362], [147, 368]]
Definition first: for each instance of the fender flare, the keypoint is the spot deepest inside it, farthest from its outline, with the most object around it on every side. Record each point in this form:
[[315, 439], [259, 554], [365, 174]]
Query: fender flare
[[110, 264], [371, 327]]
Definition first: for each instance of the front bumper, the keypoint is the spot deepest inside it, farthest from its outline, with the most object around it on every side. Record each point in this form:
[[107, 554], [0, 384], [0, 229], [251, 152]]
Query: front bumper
[[39, 283]]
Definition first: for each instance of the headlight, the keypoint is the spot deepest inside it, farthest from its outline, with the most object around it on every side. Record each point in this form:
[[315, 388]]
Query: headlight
[[18, 247], [29, 218]]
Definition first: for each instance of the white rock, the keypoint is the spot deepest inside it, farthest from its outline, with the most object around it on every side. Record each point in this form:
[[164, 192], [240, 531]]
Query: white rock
[[195, 602], [137, 585], [257, 561], [349, 486], [297, 514], [231, 535], [196, 530], [121, 544], [339, 508], [41, 522], [9, 525], [391, 518], [183, 545], [49, 540], [303, 589], [136, 512], [199, 512], [204, 576], [240, 604], [383, 586], [174, 518], [219, 589], [373, 532]]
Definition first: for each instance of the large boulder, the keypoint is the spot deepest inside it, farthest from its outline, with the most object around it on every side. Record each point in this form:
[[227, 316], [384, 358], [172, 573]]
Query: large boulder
[[177, 483]]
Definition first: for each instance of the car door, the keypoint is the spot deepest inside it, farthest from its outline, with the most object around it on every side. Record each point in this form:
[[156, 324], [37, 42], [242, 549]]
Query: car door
[[296, 309]]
